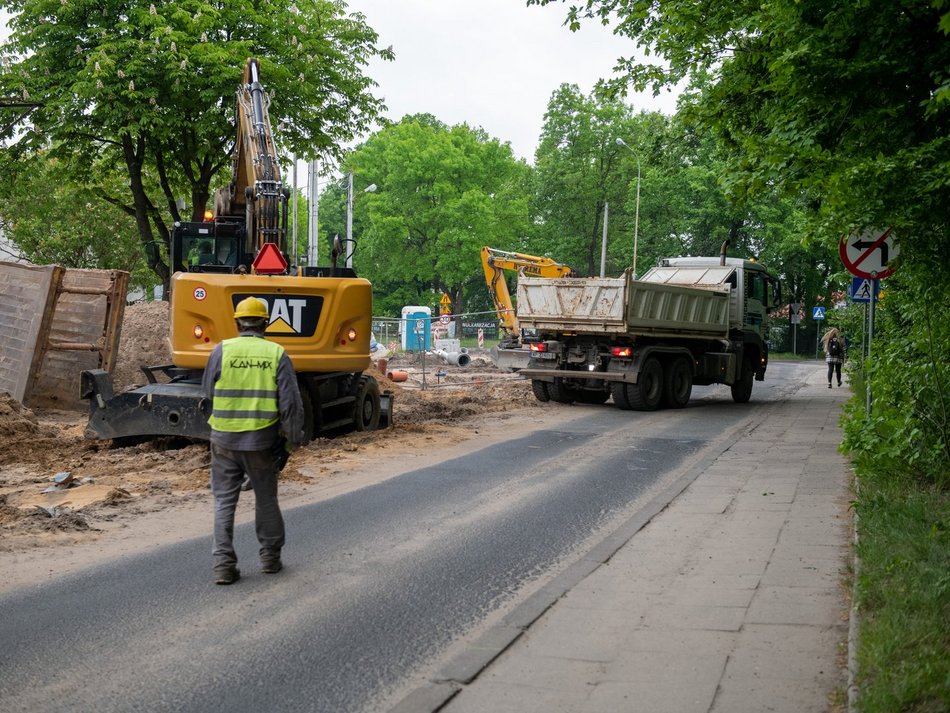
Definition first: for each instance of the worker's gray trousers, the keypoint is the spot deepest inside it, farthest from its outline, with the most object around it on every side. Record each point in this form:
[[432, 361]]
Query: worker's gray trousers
[[227, 473]]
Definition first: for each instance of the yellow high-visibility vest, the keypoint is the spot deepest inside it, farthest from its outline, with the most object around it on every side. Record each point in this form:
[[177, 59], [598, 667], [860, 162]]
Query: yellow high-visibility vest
[[245, 396]]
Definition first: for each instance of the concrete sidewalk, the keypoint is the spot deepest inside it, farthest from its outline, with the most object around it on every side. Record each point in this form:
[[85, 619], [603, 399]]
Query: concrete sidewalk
[[733, 598]]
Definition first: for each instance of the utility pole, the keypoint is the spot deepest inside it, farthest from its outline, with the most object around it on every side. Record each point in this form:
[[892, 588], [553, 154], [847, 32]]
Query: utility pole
[[313, 196], [636, 220], [349, 219]]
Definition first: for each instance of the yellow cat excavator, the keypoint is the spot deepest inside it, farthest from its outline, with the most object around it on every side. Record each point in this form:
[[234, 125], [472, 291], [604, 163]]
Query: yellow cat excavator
[[321, 315]]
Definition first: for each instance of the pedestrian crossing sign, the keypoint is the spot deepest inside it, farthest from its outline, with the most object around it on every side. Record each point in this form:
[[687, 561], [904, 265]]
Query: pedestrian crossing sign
[[861, 289], [818, 313]]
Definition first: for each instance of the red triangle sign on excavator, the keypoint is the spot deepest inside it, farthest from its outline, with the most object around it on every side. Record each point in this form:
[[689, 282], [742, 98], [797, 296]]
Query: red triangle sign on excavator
[[269, 261]]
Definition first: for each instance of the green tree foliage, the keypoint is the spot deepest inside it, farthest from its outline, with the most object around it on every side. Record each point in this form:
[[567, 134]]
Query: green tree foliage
[[683, 208], [577, 173], [145, 90], [52, 222], [848, 101], [332, 219], [443, 192], [908, 431], [845, 106]]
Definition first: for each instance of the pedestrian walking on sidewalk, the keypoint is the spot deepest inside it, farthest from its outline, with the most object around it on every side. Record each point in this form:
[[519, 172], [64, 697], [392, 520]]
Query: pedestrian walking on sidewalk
[[835, 353], [256, 418]]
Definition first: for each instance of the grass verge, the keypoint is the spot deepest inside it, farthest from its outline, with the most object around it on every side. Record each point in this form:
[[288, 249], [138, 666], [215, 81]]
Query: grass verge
[[903, 595]]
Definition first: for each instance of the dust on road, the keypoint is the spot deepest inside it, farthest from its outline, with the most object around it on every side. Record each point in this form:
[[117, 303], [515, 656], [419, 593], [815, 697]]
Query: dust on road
[[117, 485]]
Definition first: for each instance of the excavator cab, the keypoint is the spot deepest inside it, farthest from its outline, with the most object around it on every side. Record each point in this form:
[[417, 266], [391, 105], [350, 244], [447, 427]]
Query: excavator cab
[[215, 246]]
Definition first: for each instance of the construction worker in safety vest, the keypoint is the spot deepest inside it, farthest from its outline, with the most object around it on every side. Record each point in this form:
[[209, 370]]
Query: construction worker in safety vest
[[256, 418]]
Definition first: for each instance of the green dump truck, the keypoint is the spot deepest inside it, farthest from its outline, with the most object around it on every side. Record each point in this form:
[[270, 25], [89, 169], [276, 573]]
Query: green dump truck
[[645, 342]]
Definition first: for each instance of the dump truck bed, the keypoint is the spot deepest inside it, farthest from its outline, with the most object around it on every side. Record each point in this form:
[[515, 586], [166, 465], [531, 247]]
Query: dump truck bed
[[622, 306]]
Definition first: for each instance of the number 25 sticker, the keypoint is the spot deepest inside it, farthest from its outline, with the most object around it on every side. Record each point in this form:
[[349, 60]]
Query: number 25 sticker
[[200, 293]]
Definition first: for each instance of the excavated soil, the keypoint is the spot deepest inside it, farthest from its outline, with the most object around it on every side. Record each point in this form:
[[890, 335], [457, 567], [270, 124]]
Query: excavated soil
[[435, 403]]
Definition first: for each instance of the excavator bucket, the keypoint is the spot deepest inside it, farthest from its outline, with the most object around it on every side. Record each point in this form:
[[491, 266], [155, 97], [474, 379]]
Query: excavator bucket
[[179, 408], [155, 409]]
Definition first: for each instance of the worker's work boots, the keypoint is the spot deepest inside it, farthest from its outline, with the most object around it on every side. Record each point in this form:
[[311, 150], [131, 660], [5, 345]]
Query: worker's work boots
[[227, 575], [271, 565]]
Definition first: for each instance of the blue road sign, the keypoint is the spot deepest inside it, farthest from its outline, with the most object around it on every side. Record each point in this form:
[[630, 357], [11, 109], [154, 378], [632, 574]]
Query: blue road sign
[[818, 313], [861, 289]]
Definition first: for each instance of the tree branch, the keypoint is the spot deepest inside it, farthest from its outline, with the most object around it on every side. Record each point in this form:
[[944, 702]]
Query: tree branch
[[125, 208], [166, 186]]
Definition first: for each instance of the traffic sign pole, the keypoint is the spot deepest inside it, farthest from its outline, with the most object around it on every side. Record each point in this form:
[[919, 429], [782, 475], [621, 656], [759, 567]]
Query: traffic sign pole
[[867, 404], [870, 255]]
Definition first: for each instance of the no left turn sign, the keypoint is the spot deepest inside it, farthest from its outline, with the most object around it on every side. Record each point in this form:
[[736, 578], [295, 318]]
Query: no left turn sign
[[870, 254]]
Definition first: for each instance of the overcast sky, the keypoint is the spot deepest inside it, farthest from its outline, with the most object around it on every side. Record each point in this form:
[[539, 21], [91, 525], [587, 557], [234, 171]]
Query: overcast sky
[[487, 63]]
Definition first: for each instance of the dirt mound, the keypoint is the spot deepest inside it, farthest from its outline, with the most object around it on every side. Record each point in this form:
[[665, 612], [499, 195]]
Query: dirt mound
[[20, 431], [453, 403], [143, 342]]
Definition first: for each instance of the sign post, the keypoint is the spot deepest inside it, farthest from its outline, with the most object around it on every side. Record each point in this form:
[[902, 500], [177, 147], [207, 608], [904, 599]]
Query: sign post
[[871, 255], [445, 304], [818, 314], [794, 309]]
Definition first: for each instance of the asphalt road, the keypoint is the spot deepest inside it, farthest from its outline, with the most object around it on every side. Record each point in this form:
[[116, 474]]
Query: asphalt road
[[379, 583]]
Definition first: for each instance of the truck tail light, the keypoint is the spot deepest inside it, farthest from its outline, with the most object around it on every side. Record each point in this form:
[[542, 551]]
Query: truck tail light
[[621, 351], [538, 347]]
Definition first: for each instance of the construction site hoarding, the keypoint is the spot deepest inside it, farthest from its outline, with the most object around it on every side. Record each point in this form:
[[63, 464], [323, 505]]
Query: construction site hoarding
[[56, 323]]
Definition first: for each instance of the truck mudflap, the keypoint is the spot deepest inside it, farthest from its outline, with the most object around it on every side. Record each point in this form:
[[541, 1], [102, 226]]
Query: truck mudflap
[[385, 409], [169, 409]]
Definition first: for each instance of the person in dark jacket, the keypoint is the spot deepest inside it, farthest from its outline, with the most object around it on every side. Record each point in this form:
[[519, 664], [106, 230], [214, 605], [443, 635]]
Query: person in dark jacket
[[256, 411], [835, 353]]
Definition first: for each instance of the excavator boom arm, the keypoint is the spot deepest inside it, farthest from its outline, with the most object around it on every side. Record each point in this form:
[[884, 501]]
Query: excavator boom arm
[[495, 262], [256, 188]]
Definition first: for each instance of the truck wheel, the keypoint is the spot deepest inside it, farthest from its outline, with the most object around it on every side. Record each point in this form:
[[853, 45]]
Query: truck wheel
[[366, 407], [677, 384], [647, 393], [742, 388], [540, 389], [560, 392], [618, 389]]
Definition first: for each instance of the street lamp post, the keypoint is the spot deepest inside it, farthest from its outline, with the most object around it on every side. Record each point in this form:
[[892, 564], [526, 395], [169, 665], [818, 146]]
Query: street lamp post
[[636, 219], [349, 215]]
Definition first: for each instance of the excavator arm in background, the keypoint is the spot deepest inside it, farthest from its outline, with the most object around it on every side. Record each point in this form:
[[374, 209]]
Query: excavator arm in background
[[495, 263], [256, 189]]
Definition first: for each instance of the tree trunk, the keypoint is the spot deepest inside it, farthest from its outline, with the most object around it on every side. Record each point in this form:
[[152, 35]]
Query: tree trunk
[[133, 150]]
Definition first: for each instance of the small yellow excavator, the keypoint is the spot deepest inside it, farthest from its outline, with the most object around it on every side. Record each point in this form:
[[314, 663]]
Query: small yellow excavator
[[509, 353], [321, 315]]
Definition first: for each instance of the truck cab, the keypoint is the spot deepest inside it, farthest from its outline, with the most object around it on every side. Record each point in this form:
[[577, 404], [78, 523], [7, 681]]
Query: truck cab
[[753, 291]]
